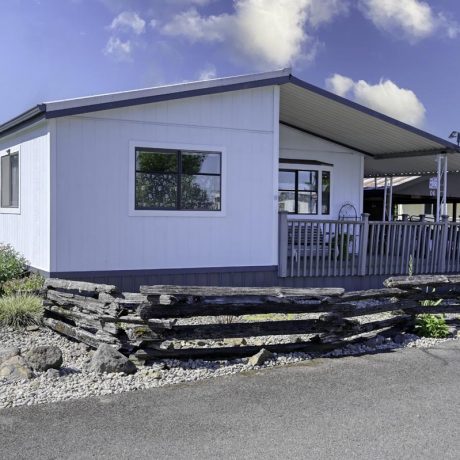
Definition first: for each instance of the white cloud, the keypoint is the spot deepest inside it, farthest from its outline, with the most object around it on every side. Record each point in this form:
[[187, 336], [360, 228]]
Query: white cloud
[[269, 32], [415, 19], [128, 21], [208, 73], [195, 27], [117, 49], [385, 97]]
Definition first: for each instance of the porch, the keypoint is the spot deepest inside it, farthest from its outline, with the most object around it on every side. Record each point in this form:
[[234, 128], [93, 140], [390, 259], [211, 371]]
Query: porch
[[341, 248]]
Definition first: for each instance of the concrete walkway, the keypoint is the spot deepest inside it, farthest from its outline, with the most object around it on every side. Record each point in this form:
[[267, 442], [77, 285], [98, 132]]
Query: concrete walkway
[[399, 405]]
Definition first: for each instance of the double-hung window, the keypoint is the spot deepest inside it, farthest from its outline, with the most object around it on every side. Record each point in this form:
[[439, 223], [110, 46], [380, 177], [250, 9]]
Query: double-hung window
[[9, 180], [303, 192], [172, 180]]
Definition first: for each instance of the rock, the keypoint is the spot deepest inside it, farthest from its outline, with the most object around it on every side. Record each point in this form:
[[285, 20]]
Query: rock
[[16, 368], [107, 359], [32, 328], [400, 339], [7, 353], [53, 373], [261, 357], [45, 357], [156, 375], [375, 341]]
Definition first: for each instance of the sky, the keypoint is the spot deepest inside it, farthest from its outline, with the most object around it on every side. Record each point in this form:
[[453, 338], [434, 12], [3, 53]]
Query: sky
[[400, 57]]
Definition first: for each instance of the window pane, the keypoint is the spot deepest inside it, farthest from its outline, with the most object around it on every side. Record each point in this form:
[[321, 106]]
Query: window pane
[[308, 203], [14, 177], [5, 178], [286, 201], [308, 180], [198, 162], [200, 192], [287, 180], [156, 191], [156, 161], [325, 192]]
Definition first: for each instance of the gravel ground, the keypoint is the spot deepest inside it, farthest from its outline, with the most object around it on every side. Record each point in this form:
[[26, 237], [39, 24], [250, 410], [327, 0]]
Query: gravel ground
[[76, 381]]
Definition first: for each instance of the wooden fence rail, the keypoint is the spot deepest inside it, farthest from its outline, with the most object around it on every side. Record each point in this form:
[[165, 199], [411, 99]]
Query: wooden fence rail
[[318, 248], [154, 323]]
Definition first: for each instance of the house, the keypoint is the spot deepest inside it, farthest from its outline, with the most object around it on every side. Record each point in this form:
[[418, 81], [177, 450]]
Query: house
[[183, 184]]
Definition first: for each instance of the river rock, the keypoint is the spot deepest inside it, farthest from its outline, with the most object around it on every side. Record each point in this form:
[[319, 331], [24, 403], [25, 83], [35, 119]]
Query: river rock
[[45, 357], [260, 358], [16, 368], [107, 359], [7, 353]]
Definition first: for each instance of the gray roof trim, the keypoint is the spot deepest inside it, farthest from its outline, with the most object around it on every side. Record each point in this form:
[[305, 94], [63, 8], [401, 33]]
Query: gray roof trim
[[166, 97], [24, 119], [373, 113]]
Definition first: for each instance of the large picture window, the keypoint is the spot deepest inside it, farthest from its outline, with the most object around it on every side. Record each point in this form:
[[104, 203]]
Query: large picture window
[[299, 191], [9, 176], [177, 180]]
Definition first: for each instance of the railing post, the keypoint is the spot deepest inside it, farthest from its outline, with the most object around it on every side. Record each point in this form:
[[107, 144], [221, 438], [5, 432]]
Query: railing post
[[363, 239], [282, 243], [443, 247]]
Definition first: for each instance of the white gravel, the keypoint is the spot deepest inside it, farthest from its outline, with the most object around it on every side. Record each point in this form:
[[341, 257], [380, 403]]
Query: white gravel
[[77, 382]]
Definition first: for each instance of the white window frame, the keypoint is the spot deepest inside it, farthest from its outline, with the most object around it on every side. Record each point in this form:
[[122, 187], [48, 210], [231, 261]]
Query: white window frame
[[319, 169], [133, 212], [11, 151]]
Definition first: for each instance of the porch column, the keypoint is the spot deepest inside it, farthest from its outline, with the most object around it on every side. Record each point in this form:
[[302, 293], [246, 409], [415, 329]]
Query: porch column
[[441, 191]]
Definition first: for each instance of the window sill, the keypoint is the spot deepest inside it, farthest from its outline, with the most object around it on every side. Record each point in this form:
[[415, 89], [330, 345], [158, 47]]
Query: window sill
[[140, 213], [10, 210]]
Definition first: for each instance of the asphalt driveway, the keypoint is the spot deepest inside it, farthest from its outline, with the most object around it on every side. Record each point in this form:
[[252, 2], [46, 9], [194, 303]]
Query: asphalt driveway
[[399, 405]]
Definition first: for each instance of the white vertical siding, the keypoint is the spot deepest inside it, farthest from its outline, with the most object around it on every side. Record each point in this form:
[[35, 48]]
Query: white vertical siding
[[346, 173], [29, 231], [94, 230]]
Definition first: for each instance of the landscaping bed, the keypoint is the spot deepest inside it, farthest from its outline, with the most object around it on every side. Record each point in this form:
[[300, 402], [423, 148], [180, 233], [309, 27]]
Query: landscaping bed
[[75, 379]]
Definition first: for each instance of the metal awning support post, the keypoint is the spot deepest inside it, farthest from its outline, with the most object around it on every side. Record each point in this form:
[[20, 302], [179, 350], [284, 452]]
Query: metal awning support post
[[441, 190], [388, 200]]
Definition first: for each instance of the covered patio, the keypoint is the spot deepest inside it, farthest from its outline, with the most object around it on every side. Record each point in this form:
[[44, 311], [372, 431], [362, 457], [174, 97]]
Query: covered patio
[[352, 245]]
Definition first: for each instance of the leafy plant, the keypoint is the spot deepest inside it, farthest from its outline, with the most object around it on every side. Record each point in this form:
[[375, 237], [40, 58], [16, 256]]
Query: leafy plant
[[12, 264], [428, 325], [29, 284], [21, 310]]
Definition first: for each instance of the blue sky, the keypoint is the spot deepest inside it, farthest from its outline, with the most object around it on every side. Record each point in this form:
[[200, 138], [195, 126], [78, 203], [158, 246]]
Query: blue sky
[[396, 56]]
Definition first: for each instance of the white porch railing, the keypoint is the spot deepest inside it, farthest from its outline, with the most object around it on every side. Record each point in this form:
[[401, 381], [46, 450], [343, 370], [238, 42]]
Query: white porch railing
[[349, 248]]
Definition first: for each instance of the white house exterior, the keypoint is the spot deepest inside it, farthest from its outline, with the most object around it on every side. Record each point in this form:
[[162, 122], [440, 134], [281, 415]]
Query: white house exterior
[[78, 213]]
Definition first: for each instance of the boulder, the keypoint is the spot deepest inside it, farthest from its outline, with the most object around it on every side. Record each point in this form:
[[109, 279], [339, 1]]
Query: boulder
[[45, 357], [7, 353], [260, 358], [53, 373], [108, 359], [16, 368]]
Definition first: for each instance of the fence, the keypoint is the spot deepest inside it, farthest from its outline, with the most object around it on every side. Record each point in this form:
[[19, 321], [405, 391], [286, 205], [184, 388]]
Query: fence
[[150, 324], [317, 248]]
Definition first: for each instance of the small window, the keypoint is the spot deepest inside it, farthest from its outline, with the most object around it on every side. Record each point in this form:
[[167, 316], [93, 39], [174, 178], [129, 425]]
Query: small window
[[300, 191], [10, 180], [325, 192], [177, 180]]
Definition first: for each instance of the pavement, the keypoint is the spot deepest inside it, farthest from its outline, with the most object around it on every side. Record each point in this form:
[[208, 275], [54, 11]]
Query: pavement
[[403, 404]]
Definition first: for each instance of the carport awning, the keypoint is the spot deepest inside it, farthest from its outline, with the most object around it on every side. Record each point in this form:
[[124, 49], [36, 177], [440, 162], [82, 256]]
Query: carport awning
[[392, 148]]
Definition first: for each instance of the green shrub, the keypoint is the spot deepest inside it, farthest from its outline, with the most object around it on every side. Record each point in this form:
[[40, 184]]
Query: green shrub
[[20, 310], [28, 284], [428, 325], [12, 264]]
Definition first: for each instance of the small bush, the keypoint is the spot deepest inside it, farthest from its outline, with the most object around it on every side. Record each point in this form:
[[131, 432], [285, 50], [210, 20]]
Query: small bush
[[20, 310], [428, 325], [12, 264], [27, 285]]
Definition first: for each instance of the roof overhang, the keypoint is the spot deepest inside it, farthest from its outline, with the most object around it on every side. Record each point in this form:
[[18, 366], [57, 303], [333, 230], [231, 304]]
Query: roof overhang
[[391, 147]]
